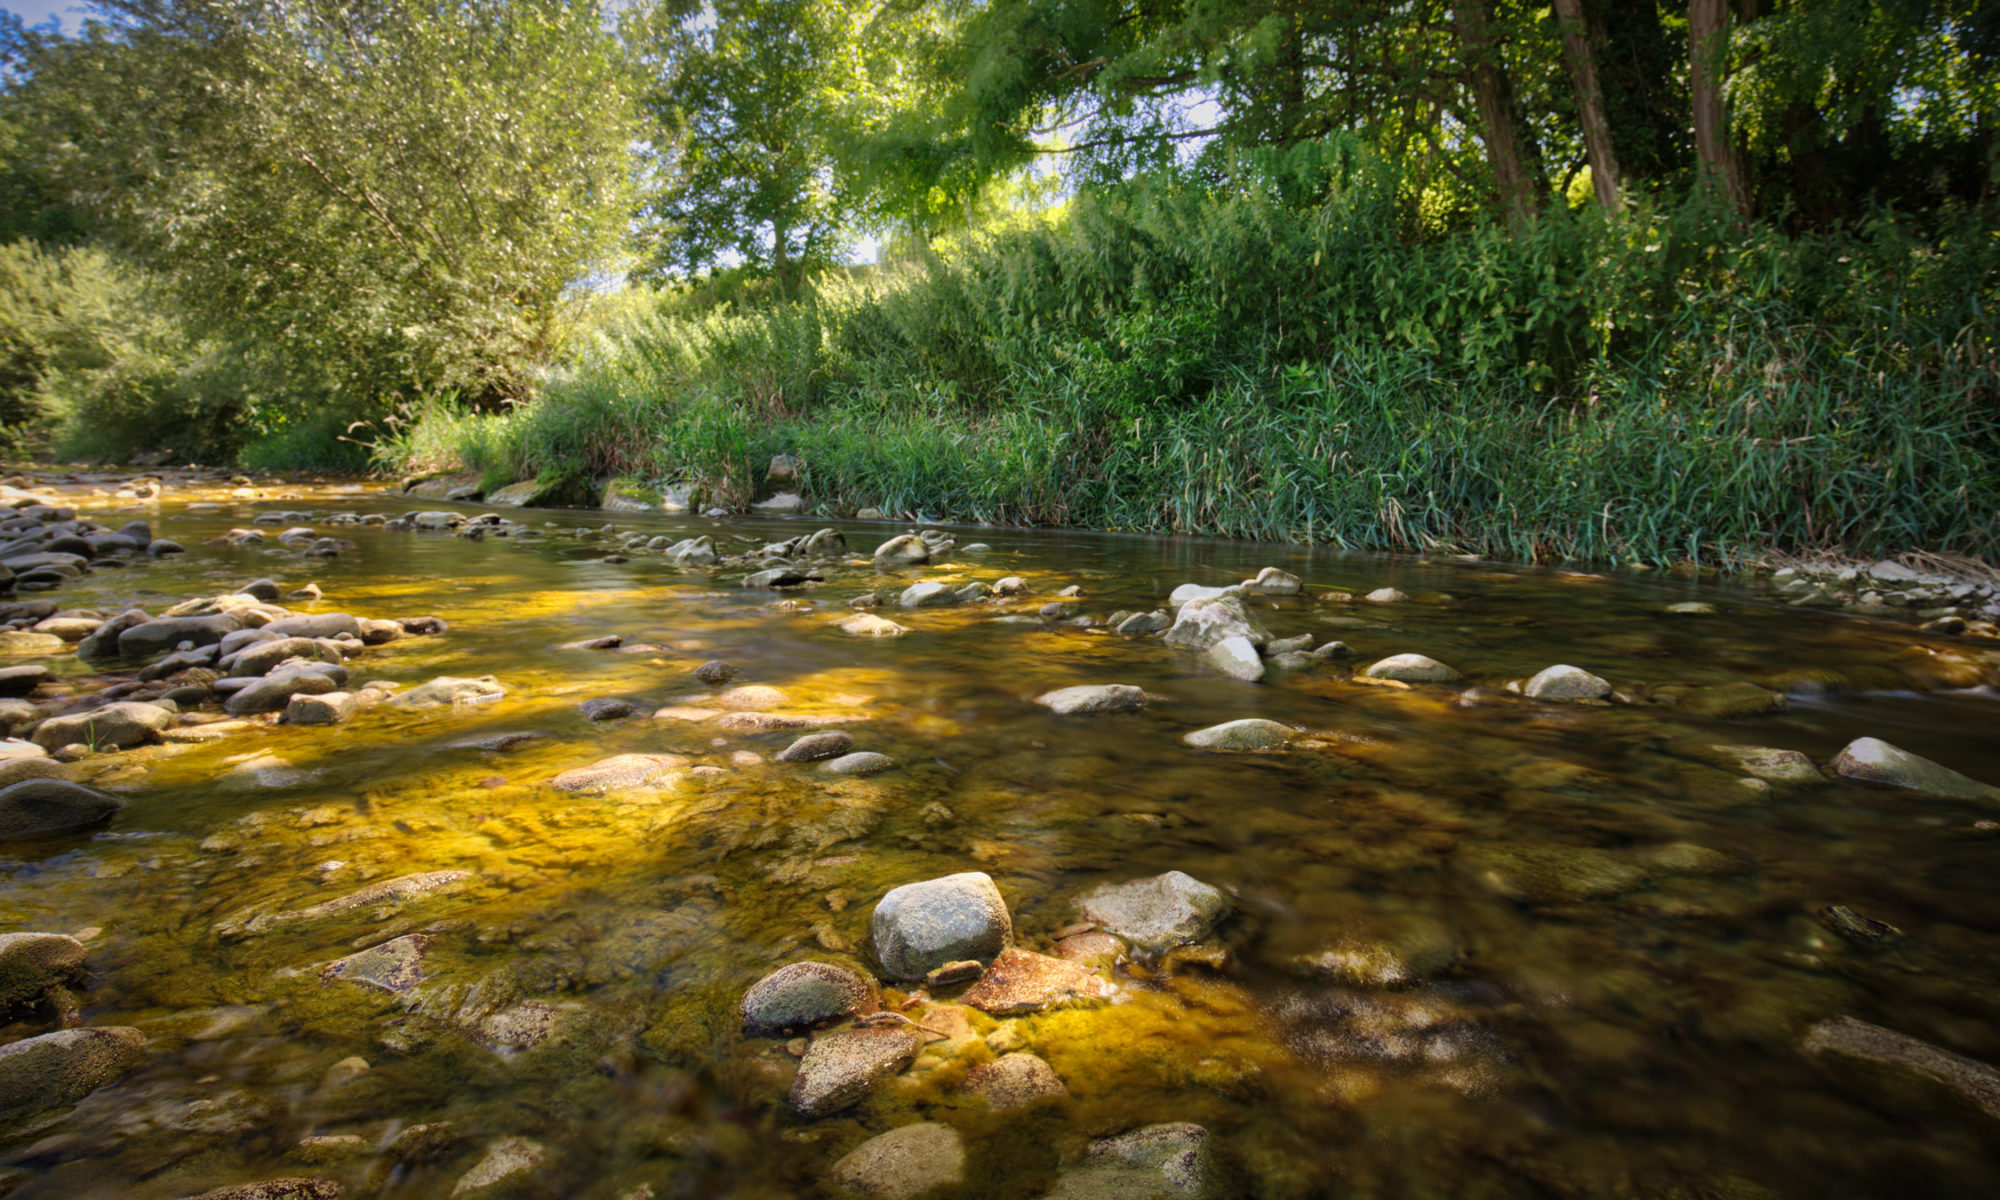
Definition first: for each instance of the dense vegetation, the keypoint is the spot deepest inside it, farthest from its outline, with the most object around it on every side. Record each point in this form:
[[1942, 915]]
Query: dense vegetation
[[1586, 280]]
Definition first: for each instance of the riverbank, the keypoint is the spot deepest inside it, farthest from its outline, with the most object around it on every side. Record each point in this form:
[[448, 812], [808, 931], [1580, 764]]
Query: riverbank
[[419, 847]]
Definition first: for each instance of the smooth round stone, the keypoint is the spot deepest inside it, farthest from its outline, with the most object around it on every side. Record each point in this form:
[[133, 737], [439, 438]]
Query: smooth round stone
[[1015, 1081], [1877, 761], [920, 927], [904, 1163], [861, 762], [1564, 682], [1251, 733], [1159, 912], [928, 594], [1093, 698], [908, 549], [1387, 595], [804, 995], [816, 746], [32, 963], [37, 807], [1412, 668]]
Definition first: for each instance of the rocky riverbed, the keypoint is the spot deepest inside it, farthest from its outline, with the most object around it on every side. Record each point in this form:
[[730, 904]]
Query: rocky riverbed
[[360, 848]]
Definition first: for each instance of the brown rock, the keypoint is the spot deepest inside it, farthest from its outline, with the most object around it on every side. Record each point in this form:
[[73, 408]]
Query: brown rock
[[1014, 1081], [1021, 981], [840, 1067]]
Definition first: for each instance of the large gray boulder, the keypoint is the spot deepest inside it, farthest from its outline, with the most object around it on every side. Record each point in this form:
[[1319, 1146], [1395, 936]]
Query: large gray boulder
[[103, 641], [1157, 913], [1877, 761], [920, 927], [58, 1069], [115, 726], [40, 807], [1202, 622]]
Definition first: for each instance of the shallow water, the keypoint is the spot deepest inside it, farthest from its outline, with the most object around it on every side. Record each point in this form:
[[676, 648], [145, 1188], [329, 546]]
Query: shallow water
[[1571, 954]]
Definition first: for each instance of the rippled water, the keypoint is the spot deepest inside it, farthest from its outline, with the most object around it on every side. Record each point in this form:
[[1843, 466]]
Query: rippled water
[[1484, 946]]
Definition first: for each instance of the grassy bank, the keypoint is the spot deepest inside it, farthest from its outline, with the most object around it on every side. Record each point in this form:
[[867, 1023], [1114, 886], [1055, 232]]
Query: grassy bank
[[1661, 387]]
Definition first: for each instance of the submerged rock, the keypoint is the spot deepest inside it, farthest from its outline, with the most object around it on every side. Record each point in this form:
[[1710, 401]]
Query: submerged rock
[[296, 1188], [920, 927], [1157, 913], [1412, 668], [816, 746], [1879, 762], [619, 771], [395, 966], [1015, 1081], [1847, 1037], [1564, 682], [1772, 766], [870, 625], [38, 807], [449, 690], [1551, 874], [1727, 700], [55, 1070], [1150, 1163], [1145, 622], [904, 1163], [117, 726], [1250, 733], [33, 965], [840, 1067], [505, 1160], [1021, 981], [804, 995], [861, 762], [1093, 698]]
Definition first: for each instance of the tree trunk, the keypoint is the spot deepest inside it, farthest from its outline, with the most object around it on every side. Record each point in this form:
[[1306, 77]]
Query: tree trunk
[[1582, 58], [1708, 47], [1506, 147], [780, 259]]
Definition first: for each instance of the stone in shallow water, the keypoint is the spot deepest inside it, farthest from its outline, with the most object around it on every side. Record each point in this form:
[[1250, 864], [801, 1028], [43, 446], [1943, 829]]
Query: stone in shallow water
[[1093, 698], [928, 594], [920, 927], [1724, 701], [908, 549], [1149, 1163], [1251, 733], [33, 963], [40, 807], [1772, 766], [906, 1162], [805, 994], [869, 625], [1202, 622], [395, 966], [1157, 913], [448, 690], [619, 771], [505, 1159], [331, 708], [1877, 761], [815, 746], [1412, 668], [1235, 657], [1015, 1081], [1564, 682], [607, 708], [1551, 874], [296, 1188], [1274, 582], [716, 672], [113, 726], [752, 698], [861, 762], [1021, 981], [840, 1067], [1971, 1079], [55, 1070]]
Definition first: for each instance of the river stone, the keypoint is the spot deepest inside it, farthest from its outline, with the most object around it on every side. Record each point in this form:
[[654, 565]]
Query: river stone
[[907, 550], [35, 807], [116, 726], [1157, 913], [158, 637], [904, 1163], [297, 1188], [928, 594], [1093, 698], [607, 708], [861, 762], [274, 692], [1412, 668], [752, 698], [803, 995], [331, 708], [1723, 701], [103, 642], [1021, 981], [777, 577], [619, 771], [31, 964], [1015, 1081], [1971, 1079], [869, 625], [1145, 622], [1385, 595], [1250, 733], [395, 966], [1273, 582], [815, 746], [1692, 608], [1235, 657], [55, 1070], [1878, 762], [259, 658], [1551, 874], [1196, 591], [16, 715], [15, 768], [1564, 682], [920, 927], [385, 896], [15, 642], [69, 629], [1154, 1162], [1772, 766], [317, 625], [449, 690], [505, 1160], [1202, 623], [840, 1067]]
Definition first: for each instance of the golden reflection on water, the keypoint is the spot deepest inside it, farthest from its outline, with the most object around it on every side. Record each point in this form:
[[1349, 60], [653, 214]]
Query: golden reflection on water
[[1483, 947]]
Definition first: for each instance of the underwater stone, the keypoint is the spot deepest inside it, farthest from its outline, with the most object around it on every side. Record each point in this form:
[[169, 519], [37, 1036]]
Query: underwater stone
[[1093, 698], [815, 746], [1157, 913], [1973, 1080], [1412, 668], [870, 625], [55, 1070], [803, 995], [1021, 981], [716, 672], [1551, 874], [33, 964], [920, 927], [450, 690], [35, 807], [1727, 700], [1564, 682], [505, 1159], [618, 771], [1772, 766], [1250, 733], [840, 1067], [1015, 1081], [1877, 761], [395, 966], [861, 762], [1155, 1161], [299, 1188], [904, 1163]]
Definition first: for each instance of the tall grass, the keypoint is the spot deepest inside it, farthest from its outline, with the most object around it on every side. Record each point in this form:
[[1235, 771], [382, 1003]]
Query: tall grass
[[1179, 359]]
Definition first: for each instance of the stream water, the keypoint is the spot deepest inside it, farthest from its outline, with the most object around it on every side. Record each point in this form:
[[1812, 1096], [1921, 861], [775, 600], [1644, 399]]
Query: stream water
[[1482, 946]]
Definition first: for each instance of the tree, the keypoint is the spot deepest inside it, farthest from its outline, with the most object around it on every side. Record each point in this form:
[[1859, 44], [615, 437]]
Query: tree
[[1516, 166], [1580, 56], [1708, 58], [382, 196]]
